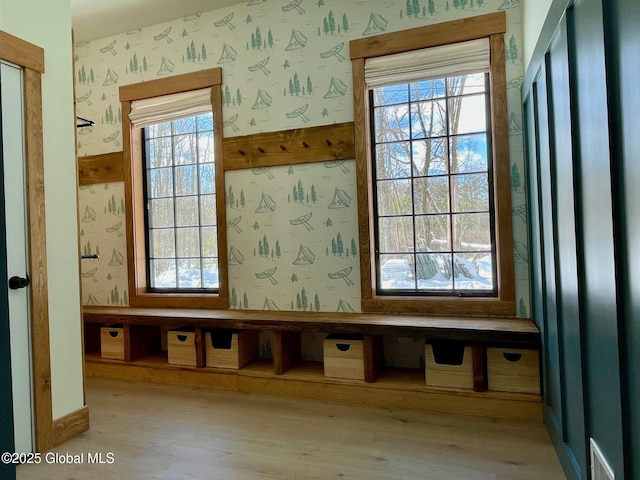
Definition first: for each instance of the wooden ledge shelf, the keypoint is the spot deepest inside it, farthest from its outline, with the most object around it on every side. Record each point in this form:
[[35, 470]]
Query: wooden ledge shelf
[[512, 331]]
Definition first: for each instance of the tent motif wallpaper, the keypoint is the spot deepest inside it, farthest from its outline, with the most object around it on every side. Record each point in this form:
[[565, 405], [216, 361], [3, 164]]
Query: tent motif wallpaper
[[285, 65], [102, 233], [292, 244]]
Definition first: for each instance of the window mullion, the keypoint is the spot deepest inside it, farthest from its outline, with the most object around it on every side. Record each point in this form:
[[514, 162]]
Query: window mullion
[[376, 220], [449, 183], [198, 194], [412, 197], [490, 179], [175, 203], [146, 186]]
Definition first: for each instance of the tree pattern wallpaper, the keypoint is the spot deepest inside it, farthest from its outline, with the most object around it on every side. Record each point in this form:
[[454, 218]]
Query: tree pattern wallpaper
[[102, 233], [292, 231], [293, 242]]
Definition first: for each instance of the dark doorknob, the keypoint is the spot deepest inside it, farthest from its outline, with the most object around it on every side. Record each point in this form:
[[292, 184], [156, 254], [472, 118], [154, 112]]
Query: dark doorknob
[[18, 282]]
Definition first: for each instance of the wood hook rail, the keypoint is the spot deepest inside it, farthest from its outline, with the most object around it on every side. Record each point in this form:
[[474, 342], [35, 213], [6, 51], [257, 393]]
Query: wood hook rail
[[314, 144]]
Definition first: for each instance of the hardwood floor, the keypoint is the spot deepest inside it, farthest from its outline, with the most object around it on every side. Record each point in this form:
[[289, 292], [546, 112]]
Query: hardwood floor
[[174, 433]]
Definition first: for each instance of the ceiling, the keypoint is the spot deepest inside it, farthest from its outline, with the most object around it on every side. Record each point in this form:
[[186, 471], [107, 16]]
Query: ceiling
[[93, 19]]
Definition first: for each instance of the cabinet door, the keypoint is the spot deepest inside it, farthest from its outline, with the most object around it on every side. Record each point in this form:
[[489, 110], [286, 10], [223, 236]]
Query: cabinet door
[[566, 263], [624, 18], [595, 209], [542, 245]]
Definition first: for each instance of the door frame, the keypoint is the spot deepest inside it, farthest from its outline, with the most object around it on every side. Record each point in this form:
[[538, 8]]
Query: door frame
[[31, 59]]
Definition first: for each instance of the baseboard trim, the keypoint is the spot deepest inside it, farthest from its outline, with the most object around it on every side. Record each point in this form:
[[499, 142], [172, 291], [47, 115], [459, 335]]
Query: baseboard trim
[[308, 381], [566, 456], [71, 425]]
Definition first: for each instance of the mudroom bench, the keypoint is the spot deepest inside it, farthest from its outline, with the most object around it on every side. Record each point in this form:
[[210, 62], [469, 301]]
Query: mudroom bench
[[472, 365]]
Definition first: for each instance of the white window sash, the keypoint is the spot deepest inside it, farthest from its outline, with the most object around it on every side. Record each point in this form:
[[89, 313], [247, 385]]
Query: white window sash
[[428, 63], [167, 108]]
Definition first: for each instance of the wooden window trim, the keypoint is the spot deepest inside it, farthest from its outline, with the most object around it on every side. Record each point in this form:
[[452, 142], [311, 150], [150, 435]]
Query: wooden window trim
[[134, 196], [492, 26]]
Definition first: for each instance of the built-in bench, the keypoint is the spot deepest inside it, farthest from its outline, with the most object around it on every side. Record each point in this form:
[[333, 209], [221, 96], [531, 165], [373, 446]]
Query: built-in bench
[[139, 325]]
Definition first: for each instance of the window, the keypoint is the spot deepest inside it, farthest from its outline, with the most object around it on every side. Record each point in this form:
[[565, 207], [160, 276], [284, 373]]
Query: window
[[182, 253], [433, 169], [431, 186], [176, 236]]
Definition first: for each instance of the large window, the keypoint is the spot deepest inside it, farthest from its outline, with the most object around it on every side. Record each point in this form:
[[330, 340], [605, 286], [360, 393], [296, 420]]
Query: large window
[[430, 151], [182, 245], [433, 169], [176, 236]]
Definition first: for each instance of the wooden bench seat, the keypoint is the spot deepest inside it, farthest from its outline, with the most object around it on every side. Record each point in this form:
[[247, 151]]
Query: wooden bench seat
[[144, 362], [512, 331], [286, 326]]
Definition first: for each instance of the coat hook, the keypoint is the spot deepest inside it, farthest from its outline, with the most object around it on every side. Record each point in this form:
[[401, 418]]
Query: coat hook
[[261, 150], [306, 145], [83, 122], [283, 148], [328, 142], [241, 152]]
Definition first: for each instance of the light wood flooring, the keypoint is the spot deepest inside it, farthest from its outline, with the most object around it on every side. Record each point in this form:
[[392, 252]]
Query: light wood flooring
[[175, 433]]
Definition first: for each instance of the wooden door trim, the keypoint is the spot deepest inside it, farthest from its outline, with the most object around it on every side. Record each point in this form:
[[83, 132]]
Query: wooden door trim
[[31, 59]]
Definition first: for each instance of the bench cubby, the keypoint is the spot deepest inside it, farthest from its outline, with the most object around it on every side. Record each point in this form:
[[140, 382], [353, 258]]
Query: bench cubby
[[181, 347], [112, 342], [513, 370], [449, 364], [229, 348]]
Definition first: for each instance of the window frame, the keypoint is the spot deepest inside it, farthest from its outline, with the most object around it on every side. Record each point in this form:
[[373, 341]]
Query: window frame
[[176, 197], [134, 178], [447, 136], [493, 27]]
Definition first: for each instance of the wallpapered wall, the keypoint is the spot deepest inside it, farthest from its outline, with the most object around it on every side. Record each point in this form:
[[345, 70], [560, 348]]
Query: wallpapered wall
[[285, 65]]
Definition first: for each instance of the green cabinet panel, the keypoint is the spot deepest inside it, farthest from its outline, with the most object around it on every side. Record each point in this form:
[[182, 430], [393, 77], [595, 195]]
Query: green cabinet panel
[[596, 233], [581, 110], [622, 18], [568, 303]]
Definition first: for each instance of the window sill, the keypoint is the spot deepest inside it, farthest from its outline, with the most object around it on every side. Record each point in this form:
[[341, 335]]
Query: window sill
[[439, 305], [178, 300]]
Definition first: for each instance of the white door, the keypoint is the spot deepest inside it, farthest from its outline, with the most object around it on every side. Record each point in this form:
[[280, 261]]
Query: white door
[[15, 203]]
